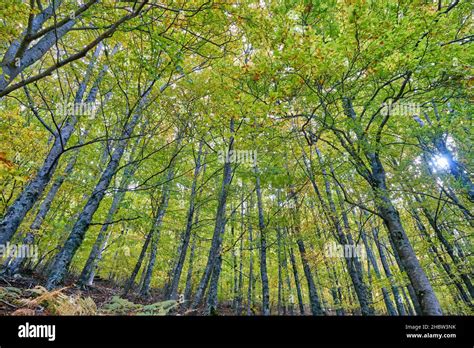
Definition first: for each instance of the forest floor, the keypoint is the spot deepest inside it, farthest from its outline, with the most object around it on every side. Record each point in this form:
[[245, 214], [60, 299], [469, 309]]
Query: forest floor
[[24, 295]]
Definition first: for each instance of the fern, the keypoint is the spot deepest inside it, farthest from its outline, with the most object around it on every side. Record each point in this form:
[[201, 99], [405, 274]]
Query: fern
[[56, 302], [122, 306], [158, 308], [10, 294]]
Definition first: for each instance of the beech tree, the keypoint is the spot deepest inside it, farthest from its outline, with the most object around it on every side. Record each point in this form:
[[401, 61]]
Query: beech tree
[[250, 158]]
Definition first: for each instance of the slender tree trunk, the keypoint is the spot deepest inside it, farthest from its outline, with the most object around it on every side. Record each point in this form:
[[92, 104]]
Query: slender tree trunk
[[121, 243], [250, 241], [35, 187], [280, 276], [235, 284], [423, 289], [297, 281], [314, 300], [290, 301], [335, 289], [18, 56], [438, 257], [16, 263], [156, 228], [173, 292], [376, 177], [219, 231], [46, 204], [388, 273], [386, 295], [238, 306], [64, 257], [189, 276], [87, 274], [449, 249], [263, 247], [213, 262], [138, 265], [353, 264], [188, 289]]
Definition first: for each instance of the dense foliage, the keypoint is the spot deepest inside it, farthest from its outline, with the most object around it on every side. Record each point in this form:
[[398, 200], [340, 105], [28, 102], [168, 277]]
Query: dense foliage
[[283, 157]]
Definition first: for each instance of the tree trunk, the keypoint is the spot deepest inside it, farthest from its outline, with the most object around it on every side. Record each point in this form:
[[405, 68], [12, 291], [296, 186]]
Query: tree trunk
[[250, 240], [213, 261], [376, 178], [280, 277], [316, 308], [423, 289], [297, 281], [87, 274], [238, 306], [18, 56], [64, 257], [156, 228], [219, 231], [35, 187], [439, 259], [173, 292], [386, 296], [388, 272], [263, 247], [410, 288], [353, 264], [16, 264], [449, 249], [138, 265], [189, 276]]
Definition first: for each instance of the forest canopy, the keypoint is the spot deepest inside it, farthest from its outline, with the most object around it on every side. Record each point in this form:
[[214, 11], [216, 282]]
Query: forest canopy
[[240, 157]]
